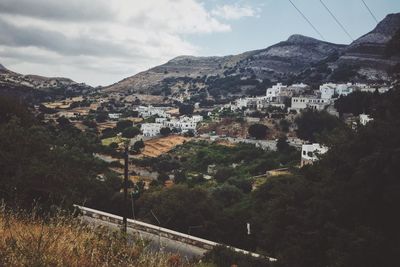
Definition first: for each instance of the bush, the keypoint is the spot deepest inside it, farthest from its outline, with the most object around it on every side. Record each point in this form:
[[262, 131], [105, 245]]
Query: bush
[[130, 132], [258, 131], [186, 109], [123, 124], [165, 131]]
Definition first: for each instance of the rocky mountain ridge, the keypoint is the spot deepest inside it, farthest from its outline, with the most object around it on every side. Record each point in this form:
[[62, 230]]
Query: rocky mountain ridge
[[299, 58]]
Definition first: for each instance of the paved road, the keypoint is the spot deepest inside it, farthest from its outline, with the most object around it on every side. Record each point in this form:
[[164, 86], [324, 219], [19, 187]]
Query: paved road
[[156, 242]]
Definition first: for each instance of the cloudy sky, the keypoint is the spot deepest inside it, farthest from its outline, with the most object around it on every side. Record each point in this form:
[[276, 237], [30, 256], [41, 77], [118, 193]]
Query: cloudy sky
[[100, 42]]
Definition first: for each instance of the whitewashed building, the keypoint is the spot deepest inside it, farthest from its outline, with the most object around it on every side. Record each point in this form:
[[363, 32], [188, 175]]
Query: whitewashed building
[[310, 153], [149, 111], [114, 116], [151, 129], [275, 91], [365, 118], [312, 102], [327, 90]]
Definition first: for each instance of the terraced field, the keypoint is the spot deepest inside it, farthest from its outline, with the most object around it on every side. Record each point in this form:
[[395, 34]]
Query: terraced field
[[156, 147]]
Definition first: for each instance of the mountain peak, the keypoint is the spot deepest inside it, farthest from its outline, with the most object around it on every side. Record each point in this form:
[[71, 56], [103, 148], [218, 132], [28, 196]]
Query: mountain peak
[[389, 25], [2, 67], [301, 39]]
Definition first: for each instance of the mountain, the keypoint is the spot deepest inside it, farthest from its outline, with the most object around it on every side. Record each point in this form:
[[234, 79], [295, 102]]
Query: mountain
[[34, 87], [377, 51], [188, 72], [299, 58]]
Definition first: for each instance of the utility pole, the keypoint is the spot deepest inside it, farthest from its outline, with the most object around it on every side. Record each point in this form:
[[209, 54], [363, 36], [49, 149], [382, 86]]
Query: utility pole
[[125, 209]]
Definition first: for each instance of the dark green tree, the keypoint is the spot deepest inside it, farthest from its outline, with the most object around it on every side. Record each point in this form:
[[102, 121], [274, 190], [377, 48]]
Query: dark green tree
[[258, 131]]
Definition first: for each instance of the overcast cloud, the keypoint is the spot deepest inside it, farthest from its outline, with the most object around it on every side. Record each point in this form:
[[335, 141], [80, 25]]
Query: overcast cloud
[[100, 42]]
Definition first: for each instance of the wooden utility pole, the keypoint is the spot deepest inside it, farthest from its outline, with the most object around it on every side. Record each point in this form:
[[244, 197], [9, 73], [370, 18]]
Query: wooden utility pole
[[126, 173]]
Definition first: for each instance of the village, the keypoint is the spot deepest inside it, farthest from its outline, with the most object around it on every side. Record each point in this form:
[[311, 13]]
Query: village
[[152, 126]]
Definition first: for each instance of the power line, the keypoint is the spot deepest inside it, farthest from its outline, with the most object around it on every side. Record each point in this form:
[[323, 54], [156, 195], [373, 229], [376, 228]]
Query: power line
[[309, 22], [337, 21], [370, 12]]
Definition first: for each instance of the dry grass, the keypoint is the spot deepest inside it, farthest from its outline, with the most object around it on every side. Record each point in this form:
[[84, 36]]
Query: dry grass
[[158, 146], [27, 240]]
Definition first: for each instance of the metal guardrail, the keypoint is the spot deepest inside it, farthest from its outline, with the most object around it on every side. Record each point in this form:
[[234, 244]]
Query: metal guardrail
[[160, 231]]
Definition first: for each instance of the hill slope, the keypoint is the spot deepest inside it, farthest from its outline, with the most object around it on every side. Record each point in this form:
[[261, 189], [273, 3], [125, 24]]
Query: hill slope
[[33, 87]]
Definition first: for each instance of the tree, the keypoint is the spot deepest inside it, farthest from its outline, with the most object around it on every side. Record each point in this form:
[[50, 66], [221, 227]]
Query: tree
[[108, 132], [163, 177], [258, 131], [282, 144], [113, 145], [137, 146], [179, 177], [223, 174], [284, 125], [63, 122], [130, 132], [101, 117], [356, 103], [186, 109], [165, 131], [123, 124], [312, 123]]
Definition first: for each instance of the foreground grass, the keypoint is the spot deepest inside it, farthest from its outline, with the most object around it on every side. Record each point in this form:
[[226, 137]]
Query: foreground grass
[[30, 240]]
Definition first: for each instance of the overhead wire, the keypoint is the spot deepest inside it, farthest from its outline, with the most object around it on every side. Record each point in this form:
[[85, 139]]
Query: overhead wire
[[370, 11], [336, 19], [309, 22]]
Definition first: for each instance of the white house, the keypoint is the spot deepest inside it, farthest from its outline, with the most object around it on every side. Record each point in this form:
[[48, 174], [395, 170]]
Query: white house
[[151, 129], [310, 152], [150, 111], [327, 90], [364, 119], [114, 116], [273, 92], [197, 118], [160, 120], [312, 102], [344, 89]]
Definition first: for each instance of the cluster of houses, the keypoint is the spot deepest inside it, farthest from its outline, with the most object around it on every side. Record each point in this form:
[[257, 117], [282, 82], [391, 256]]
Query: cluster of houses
[[300, 96], [183, 124]]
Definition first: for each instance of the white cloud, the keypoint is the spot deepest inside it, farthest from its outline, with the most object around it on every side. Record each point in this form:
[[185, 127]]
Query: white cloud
[[102, 41], [235, 11]]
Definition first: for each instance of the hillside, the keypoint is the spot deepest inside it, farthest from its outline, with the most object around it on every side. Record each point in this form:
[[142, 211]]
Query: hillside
[[299, 58], [31, 87]]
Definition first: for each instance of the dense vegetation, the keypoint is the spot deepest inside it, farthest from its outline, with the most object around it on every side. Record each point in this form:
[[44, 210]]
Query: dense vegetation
[[312, 124], [339, 212], [52, 164], [357, 103]]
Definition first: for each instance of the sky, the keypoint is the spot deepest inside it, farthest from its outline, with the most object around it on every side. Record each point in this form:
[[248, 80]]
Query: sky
[[103, 41]]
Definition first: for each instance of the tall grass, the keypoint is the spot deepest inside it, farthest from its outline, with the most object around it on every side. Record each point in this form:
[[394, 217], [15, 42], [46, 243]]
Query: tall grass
[[27, 239]]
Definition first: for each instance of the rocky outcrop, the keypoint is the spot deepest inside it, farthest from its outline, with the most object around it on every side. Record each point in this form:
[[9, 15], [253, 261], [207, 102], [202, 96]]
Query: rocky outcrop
[[370, 50]]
